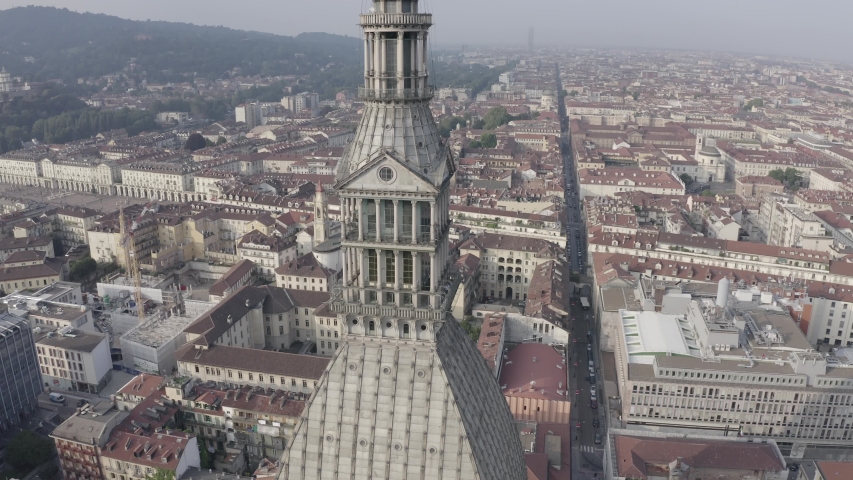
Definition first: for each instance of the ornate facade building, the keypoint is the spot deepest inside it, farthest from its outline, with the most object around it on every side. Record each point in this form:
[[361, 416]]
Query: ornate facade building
[[406, 395]]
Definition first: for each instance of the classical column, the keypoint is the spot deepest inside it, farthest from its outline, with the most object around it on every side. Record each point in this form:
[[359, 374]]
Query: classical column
[[367, 60], [432, 220], [416, 273], [413, 62], [380, 270], [414, 222], [378, 219], [360, 204], [432, 269], [398, 274], [424, 60], [362, 272], [375, 62], [382, 65], [397, 221], [345, 270], [400, 66]]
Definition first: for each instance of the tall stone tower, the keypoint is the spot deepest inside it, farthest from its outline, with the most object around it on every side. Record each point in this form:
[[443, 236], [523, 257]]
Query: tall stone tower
[[320, 209], [407, 395]]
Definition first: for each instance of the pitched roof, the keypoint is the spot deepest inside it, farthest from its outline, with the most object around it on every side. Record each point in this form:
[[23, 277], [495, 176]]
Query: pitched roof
[[633, 454], [253, 360]]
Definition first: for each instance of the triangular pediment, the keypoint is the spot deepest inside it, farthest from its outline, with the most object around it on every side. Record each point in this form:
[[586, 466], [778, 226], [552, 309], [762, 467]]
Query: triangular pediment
[[387, 171]]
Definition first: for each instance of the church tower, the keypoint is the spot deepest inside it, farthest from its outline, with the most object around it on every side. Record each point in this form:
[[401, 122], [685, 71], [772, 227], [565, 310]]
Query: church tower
[[407, 395], [320, 209]]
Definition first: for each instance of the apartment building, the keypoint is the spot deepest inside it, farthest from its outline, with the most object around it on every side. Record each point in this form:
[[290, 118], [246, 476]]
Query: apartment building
[[51, 315], [757, 186], [793, 226], [609, 182], [161, 181], [20, 382], [28, 276], [74, 359], [73, 224], [632, 454], [267, 252], [507, 263], [248, 113], [11, 245], [747, 369], [79, 440], [237, 421], [22, 167], [301, 101], [256, 368], [305, 273], [132, 456], [81, 174], [232, 280], [830, 179]]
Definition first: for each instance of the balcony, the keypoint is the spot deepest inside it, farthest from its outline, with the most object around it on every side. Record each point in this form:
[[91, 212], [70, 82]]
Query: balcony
[[396, 94], [396, 19]]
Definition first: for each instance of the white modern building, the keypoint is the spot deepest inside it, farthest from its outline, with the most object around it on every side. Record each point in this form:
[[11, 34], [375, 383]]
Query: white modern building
[[73, 360]]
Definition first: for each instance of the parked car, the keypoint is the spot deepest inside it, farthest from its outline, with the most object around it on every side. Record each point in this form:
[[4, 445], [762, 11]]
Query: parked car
[[593, 403], [596, 423], [57, 398], [598, 439]]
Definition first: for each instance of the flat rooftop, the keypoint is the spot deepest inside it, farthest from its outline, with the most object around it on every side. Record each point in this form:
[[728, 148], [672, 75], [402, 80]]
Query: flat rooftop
[[72, 340], [59, 311], [156, 332], [648, 334], [84, 428]]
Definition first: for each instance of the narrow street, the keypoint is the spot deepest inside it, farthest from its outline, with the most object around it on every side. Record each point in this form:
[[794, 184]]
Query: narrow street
[[587, 422]]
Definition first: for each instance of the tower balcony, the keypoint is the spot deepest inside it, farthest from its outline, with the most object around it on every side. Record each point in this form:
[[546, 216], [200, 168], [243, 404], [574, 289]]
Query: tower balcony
[[396, 94], [396, 20]]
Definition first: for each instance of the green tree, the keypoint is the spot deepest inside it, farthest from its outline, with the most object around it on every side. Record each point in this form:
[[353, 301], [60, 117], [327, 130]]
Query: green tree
[[221, 140], [195, 142], [687, 179], [204, 455], [489, 140], [472, 330], [161, 474], [28, 450], [707, 193], [82, 268], [496, 117], [448, 124], [777, 174], [755, 102]]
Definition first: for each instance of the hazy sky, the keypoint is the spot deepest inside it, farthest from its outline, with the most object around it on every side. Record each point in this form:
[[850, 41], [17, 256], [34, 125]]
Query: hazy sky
[[818, 28]]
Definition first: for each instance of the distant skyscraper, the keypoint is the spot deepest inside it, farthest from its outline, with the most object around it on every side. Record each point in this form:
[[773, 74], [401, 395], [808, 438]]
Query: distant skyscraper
[[406, 395], [530, 40]]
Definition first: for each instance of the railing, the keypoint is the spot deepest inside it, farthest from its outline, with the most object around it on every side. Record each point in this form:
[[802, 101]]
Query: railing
[[396, 94], [403, 239], [378, 19]]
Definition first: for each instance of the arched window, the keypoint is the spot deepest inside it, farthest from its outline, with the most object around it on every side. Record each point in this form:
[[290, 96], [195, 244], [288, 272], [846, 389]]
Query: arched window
[[371, 327]]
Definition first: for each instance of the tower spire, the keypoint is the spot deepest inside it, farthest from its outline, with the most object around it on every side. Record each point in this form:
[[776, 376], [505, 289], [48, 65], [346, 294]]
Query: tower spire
[[407, 394]]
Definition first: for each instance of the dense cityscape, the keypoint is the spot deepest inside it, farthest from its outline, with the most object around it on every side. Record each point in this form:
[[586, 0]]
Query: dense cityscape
[[418, 262]]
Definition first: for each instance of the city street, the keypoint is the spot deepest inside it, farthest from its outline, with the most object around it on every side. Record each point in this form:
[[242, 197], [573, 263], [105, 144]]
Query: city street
[[582, 330]]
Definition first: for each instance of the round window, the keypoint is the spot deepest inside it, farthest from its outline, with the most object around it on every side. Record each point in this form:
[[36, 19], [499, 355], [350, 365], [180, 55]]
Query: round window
[[386, 174]]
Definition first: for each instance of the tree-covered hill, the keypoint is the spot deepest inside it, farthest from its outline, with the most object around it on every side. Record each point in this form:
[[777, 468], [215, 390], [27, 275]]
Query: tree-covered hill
[[46, 43]]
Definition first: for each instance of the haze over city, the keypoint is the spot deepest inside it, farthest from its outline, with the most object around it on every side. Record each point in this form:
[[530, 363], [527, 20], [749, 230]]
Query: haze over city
[[777, 27], [425, 239]]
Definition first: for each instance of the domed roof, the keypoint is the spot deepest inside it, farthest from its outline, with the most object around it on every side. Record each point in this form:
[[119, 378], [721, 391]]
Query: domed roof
[[710, 151]]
